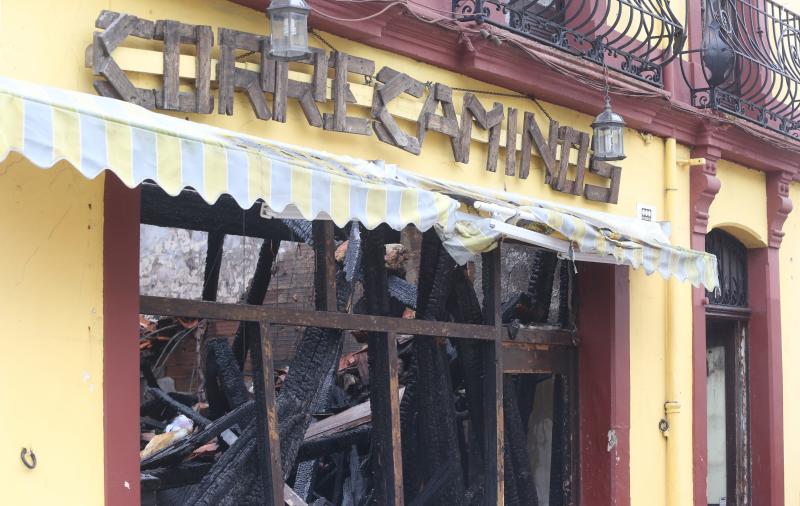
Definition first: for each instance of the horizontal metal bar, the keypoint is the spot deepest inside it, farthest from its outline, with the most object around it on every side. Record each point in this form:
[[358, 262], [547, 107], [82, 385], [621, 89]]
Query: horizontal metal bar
[[241, 312]]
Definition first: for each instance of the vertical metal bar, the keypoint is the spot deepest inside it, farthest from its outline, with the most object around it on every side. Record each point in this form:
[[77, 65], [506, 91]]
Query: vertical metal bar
[[493, 435], [269, 448], [385, 402], [325, 263]]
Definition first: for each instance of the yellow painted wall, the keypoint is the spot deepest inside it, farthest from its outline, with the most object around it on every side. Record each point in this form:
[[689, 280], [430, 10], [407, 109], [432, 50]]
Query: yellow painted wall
[[648, 353], [57, 58], [51, 309], [740, 207], [790, 329]]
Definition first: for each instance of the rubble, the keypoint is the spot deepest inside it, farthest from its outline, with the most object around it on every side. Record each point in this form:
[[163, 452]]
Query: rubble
[[201, 447]]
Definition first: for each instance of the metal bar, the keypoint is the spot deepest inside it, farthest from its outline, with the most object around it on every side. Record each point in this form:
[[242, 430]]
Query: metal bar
[[166, 306], [385, 402], [269, 447], [324, 246], [494, 487]]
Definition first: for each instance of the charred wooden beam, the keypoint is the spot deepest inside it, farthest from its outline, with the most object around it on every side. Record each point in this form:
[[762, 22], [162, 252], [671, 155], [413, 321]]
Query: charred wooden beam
[[233, 477], [259, 284], [317, 351], [182, 448], [181, 408], [540, 284], [432, 491], [188, 210], [282, 316], [338, 442], [517, 460], [465, 308], [216, 241], [493, 441], [181, 475], [270, 471], [436, 437], [224, 384], [304, 476], [325, 264], [560, 460], [387, 465]]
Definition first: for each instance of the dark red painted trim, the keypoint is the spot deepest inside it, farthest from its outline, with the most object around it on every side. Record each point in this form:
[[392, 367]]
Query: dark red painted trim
[[766, 377], [766, 380], [699, 397], [120, 343], [463, 51], [604, 383]]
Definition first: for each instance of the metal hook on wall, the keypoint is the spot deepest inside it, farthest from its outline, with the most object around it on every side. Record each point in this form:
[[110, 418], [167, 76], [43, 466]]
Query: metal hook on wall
[[23, 456]]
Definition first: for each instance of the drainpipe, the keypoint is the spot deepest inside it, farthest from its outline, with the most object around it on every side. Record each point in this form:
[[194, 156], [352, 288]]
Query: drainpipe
[[672, 407]]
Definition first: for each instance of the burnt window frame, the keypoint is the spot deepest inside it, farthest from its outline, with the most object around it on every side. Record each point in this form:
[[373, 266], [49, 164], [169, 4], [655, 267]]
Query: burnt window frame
[[524, 350]]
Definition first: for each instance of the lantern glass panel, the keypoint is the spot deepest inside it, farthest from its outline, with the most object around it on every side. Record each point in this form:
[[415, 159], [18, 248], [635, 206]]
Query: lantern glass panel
[[289, 34], [608, 143]]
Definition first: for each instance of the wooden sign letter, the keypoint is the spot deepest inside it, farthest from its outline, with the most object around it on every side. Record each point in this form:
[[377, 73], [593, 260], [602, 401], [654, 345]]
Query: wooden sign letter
[[231, 78], [446, 124], [599, 193], [175, 33], [307, 93], [116, 84], [547, 149], [339, 121], [386, 128], [472, 108], [569, 138], [511, 142]]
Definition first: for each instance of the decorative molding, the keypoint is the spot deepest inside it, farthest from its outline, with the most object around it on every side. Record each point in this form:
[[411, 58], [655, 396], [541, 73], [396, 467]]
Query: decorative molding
[[779, 205], [704, 186]]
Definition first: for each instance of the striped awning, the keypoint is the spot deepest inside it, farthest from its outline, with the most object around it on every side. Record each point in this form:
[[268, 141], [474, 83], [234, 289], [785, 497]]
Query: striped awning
[[576, 233], [94, 134]]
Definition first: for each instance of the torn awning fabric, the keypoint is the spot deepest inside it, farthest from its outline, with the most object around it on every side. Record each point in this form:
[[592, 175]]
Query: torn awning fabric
[[95, 133], [589, 235]]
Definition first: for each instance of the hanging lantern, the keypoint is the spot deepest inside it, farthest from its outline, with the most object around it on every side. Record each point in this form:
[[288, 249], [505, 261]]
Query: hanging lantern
[[288, 20], [608, 131]]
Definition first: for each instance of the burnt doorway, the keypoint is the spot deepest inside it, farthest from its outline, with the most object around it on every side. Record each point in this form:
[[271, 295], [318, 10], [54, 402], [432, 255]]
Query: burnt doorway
[[726, 362], [727, 385]]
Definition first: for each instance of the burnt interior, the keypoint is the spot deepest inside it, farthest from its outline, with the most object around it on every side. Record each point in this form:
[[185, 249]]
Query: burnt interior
[[459, 385]]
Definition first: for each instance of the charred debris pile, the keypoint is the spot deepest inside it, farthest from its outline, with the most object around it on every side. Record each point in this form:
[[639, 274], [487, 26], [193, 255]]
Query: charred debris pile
[[199, 447]]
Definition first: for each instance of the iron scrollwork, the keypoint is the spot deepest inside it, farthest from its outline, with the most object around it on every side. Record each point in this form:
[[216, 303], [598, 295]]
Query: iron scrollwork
[[636, 37], [732, 264], [750, 60]]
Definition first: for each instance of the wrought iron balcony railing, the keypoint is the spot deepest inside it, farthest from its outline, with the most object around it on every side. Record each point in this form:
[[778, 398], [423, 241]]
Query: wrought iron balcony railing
[[636, 37], [750, 61]]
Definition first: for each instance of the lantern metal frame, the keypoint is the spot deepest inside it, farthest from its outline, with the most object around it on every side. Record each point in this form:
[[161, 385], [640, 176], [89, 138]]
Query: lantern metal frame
[[287, 7], [608, 119]]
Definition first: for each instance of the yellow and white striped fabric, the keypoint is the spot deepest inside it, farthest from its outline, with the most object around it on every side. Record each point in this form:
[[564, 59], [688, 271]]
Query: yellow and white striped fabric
[[95, 133], [628, 241], [473, 234]]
